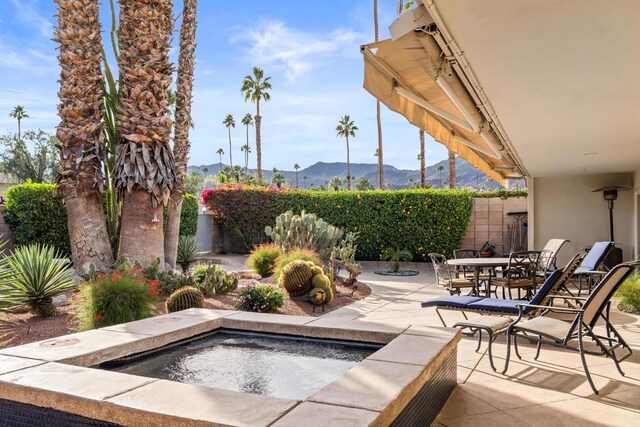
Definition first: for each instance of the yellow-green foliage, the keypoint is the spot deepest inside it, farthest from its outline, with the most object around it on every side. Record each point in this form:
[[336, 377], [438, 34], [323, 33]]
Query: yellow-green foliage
[[321, 280], [316, 270], [328, 295], [294, 255], [263, 258], [296, 277], [629, 294], [184, 298]]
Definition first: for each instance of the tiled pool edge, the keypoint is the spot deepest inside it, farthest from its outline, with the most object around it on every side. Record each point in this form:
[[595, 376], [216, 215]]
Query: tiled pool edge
[[378, 406]]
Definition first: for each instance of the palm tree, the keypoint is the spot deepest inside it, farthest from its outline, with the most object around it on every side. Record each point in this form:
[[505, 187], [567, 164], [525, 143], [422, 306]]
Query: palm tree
[[335, 183], [220, 153], [19, 113], [346, 127], [182, 125], [296, 167], [440, 168], [247, 121], [255, 88], [304, 179], [246, 150], [452, 169], [205, 170], [378, 121], [422, 159], [229, 123], [144, 169], [81, 180]]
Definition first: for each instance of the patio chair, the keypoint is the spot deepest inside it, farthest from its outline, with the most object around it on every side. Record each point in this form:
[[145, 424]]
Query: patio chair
[[469, 272], [448, 278], [519, 274], [501, 307], [593, 265], [544, 329], [549, 254]]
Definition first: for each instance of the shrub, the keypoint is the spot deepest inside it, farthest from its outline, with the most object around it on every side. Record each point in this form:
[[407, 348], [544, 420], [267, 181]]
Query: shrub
[[263, 258], [261, 298], [305, 231], [422, 221], [188, 216], [629, 295], [294, 255], [115, 297], [183, 299], [213, 279], [188, 252], [36, 274], [36, 215]]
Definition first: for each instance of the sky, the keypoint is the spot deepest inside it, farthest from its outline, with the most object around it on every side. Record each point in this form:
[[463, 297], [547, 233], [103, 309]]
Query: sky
[[309, 48]]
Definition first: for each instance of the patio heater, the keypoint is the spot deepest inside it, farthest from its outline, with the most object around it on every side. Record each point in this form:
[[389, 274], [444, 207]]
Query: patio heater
[[610, 194]]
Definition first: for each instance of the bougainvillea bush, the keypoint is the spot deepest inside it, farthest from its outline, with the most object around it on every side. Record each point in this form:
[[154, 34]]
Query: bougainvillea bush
[[422, 221]]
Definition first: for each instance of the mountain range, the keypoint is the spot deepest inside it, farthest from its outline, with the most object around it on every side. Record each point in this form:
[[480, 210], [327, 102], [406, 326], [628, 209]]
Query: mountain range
[[321, 173]]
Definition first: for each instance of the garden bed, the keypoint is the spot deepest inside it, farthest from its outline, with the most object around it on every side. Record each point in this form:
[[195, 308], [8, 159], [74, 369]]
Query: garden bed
[[27, 328]]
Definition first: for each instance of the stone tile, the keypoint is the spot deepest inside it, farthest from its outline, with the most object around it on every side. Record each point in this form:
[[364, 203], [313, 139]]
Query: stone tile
[[375, 386], [461, 404], [576, 412], [353, 330], [310, 414], [490, 419], [10, 364], [411, 349], [71, 380], [434, 331], [192, 402], [278, 319], [178, 324], [85, 348], [512, 394], [209, 313]]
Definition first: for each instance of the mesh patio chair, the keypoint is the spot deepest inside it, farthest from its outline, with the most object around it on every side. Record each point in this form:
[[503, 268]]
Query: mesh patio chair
[[519, 274], [593, 266], [545, 329], [549, 254], [447, 276]]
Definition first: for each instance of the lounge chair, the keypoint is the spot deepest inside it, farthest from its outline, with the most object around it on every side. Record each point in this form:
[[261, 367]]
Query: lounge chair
[[592, 264], [448, 278], [556, 281], [544, 329], [549, 254], [519, 274]]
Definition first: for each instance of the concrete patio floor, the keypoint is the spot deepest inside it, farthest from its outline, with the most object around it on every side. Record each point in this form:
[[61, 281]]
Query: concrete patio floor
[[551, 391]]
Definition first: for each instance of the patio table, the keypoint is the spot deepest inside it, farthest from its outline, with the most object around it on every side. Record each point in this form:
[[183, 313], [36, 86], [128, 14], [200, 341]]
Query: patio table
[[478, 264]]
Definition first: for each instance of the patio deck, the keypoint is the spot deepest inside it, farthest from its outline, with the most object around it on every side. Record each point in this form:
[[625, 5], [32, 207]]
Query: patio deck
[[550, 391]]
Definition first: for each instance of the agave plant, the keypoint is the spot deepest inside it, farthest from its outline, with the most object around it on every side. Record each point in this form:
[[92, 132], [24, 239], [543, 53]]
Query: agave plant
[[396, 255], [188, 252], [37, 273]]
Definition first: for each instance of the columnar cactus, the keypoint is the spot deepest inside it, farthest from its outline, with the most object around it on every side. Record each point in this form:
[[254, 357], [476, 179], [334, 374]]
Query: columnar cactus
[[296, 278], [184, 298]]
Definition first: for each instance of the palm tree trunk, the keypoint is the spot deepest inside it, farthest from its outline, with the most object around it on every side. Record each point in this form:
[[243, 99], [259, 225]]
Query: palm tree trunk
[[296, 179], [452, 169], [378, 120], [422, 159], [230, 154], [184, 89], [246, 154], [80, 180], [19, 135], [258, 120], [141, 237], [348, 167]]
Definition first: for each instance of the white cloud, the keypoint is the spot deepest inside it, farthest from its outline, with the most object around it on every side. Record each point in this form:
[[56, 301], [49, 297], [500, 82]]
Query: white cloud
[[295, 52], [30, 60], [27, 12]]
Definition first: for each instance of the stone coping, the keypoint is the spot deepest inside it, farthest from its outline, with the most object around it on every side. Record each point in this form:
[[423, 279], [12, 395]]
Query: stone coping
[[57, 373]]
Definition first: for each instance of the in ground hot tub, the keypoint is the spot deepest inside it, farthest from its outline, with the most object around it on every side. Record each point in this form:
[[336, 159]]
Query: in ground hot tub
[[215, 367]]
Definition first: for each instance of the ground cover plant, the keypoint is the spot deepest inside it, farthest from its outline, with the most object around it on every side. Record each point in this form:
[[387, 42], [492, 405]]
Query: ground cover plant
[[422, 221], [629, 295], [261, 298]]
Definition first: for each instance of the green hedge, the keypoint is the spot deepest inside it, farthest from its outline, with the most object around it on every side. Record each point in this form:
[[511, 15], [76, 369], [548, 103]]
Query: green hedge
[[188, 216], [500, 193], [421, 221], [36, 215]]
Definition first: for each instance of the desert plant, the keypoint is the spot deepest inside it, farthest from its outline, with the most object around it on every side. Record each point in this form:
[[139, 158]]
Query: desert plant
[[37, 273], [261, 298], [323, 282], [327, 295], [172, 280], [305, 231], [629, 295], [115, 297], [395, 256], [188, 252], [184, 298], [263, 258], [213, 279], [296, 278], [294, 255]]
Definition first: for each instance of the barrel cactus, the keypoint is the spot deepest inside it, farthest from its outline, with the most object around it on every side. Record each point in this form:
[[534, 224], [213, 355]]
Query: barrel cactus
[[296, 278], [184, 298], [316, 270], [321, 280], [326, 292]]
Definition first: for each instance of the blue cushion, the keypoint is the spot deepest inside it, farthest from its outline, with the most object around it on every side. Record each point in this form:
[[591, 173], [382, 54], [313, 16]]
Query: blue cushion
[[595, 256], [546, 287], [495, 304], [450, 301]]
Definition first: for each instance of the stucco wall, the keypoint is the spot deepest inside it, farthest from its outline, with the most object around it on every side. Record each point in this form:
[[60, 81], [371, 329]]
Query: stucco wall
[[566, 208]]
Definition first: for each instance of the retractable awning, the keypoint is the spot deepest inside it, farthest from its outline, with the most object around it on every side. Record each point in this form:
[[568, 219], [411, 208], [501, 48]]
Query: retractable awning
[[413, 77]]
